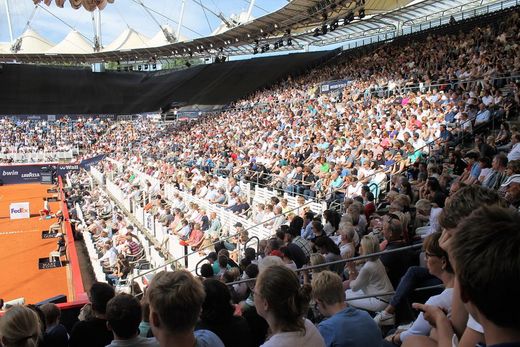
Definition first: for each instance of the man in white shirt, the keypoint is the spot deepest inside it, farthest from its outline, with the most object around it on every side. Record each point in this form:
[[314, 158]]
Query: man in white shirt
[[483, 115], [514, 154]]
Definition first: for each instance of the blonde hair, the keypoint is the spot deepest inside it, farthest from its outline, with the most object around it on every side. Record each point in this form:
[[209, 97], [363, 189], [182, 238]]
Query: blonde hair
[[177, 299], [347, 230], [317, 259], [370, 245], [20, 327], [327, 286], [423, 205], [288, 301]]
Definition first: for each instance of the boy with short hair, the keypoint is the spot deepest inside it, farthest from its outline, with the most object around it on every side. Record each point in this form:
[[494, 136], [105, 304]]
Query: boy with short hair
[[123, 319], [345, 326], [175, 304]]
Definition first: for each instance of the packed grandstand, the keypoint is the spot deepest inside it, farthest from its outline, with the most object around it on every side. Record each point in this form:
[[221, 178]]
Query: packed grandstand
[[383, 212]]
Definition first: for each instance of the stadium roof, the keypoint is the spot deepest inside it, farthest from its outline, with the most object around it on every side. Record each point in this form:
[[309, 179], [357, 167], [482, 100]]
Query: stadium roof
[[298, 19], [127, 40], [73, 43]]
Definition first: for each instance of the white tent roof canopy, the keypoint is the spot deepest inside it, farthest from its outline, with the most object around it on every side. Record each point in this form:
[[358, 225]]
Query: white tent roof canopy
[[160, 40], [33, 42], [4, 47], [73, 43], [127, 40]]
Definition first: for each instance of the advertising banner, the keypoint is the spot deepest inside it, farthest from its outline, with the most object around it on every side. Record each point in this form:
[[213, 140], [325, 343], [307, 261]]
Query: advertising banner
[[32, 173], [331, 86], [17, 174], [87, 163], [19, 210]]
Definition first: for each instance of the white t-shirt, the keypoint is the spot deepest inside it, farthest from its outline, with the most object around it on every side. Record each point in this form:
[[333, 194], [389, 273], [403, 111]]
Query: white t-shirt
[[311, 338], [421, 326], [474, 325]]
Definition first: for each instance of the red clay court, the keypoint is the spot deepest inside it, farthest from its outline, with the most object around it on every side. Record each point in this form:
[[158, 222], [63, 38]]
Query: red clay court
[[21, 245]]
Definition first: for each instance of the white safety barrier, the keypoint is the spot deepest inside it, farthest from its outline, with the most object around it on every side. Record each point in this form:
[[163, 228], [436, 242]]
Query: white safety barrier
[[98, 176], [91, 249], [38, 157]]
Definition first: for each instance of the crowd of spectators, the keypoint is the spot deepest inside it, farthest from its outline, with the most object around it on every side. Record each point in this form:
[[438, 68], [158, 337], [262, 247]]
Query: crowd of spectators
[[448, 219], [26, 138], [117, 246]]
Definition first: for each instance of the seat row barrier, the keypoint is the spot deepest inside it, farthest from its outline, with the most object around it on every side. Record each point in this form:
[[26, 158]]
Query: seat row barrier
[[342, 261], [171, 244], [264, 194], [91, 249], [38, 156], [228, 219], [97, 175], [194, 258]]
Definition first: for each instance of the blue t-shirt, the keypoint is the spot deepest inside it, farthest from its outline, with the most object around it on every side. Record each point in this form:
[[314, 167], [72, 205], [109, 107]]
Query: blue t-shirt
[[350, 328], [206, 338], [475, 170]]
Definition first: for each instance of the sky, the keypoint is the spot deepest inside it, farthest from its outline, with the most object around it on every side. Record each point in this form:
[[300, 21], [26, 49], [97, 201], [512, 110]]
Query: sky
[[121, 14]]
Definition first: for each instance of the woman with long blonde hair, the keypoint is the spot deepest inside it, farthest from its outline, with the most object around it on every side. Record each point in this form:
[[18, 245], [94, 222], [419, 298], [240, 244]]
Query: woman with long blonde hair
[[20, 327], [283, 303]]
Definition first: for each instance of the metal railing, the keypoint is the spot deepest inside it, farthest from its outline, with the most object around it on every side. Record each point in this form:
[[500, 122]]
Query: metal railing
[[342, 261], [176, 261]]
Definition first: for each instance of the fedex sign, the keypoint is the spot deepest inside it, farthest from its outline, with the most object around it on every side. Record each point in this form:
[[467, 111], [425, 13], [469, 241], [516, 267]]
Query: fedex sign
[[19, 210]]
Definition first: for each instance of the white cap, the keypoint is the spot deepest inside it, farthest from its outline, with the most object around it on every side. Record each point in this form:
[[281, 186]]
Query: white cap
[[513, 179]]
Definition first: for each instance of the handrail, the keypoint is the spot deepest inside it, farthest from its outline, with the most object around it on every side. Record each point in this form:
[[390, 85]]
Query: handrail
[[422, 85], [341, 261], [197, 266], [257, 243], [208, 246], [438, 286]]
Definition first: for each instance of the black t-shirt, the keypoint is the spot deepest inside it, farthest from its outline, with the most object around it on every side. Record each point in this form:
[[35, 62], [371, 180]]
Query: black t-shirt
[[396, 264], [56, 337], [298, 255], [257, 324], [91, 333], [233, 332]]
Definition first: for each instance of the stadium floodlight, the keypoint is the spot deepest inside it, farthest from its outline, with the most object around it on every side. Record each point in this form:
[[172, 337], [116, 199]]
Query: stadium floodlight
[[255, 50], [361, 13], [289, 41], [316, 32]]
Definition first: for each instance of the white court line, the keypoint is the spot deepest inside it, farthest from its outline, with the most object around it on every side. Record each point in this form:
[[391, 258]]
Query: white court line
[[17, 232]]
